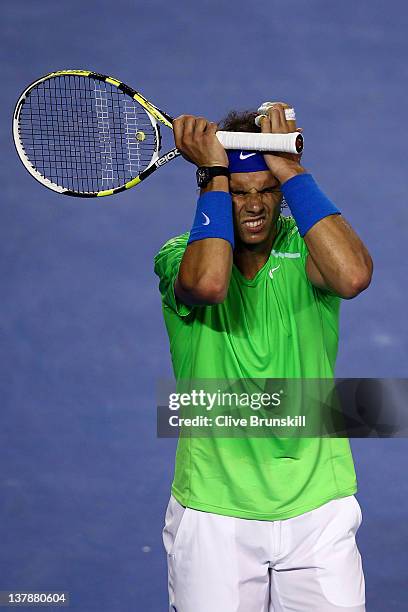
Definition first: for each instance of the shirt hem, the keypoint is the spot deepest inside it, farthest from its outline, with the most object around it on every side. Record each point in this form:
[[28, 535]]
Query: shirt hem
[[261, 516]]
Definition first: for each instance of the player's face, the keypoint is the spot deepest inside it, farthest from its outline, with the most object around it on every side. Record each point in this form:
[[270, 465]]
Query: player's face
[[256, 199]]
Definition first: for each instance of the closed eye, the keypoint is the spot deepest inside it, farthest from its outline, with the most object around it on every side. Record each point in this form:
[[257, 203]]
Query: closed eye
[[274, 189], [271, 189]]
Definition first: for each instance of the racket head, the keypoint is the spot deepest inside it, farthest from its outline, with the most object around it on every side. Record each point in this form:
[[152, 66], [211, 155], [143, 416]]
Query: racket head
[[85, 134]]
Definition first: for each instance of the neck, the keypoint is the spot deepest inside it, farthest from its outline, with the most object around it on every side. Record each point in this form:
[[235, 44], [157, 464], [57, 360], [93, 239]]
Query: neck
[[250, 258]]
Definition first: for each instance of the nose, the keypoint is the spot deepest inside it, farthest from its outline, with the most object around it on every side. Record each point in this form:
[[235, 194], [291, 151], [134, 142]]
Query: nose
[[254, 202]]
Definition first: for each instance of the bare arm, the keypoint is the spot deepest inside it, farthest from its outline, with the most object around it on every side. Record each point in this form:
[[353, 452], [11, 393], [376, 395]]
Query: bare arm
[[206, 265], [338, 261]]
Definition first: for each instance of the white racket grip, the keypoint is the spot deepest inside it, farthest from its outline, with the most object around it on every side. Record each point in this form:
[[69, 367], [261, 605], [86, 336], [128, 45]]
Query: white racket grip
[[255, 141]]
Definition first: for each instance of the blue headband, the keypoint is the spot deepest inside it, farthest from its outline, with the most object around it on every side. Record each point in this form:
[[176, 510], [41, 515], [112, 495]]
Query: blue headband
[[246, 161]]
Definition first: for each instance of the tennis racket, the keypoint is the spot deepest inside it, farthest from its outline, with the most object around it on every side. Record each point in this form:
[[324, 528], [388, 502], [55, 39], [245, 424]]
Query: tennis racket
[[85, 134]]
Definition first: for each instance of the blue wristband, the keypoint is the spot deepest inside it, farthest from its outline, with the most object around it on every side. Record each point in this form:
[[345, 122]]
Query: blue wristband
[[213, 218], [307, 202]]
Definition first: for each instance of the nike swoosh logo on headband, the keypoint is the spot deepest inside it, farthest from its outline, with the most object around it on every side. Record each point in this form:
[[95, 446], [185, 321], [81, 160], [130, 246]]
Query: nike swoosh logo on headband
[[242, 156]]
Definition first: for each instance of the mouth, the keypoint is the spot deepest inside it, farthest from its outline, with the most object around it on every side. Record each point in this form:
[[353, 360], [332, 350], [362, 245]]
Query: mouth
[[254, 226]]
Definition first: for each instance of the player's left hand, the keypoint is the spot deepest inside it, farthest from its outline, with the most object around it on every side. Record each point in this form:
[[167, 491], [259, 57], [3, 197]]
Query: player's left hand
[[282, 165]]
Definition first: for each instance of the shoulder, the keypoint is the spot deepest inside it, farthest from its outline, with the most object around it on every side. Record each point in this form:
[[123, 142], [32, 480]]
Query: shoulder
[[288, 242], [171, 250], [174, 244]]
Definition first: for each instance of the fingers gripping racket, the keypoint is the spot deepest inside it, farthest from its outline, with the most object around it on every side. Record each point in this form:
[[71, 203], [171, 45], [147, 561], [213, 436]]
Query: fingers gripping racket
[[85, 134]]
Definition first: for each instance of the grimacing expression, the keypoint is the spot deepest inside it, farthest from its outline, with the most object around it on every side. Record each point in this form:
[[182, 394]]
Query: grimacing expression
[[256, 198]]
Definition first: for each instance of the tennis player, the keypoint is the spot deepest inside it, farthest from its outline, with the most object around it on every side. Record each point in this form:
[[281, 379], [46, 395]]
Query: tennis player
[[259, 524]]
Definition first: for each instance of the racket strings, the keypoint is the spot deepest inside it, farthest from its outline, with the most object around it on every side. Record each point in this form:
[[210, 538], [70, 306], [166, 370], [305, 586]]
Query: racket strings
[[84, 134]]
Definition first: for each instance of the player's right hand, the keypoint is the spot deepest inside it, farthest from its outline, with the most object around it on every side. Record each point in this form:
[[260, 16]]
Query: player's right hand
[[196, 140]]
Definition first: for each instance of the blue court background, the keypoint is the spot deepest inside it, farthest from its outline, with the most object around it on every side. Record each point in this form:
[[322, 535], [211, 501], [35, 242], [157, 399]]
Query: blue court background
[[83, 479]]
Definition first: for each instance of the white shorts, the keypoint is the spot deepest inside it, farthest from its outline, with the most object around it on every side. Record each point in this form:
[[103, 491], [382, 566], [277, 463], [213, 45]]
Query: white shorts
[[308, 563]]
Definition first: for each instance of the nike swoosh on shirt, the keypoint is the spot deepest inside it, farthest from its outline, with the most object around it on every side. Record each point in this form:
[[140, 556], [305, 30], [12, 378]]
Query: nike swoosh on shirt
[[242, 156], [207, 219], [272, 270]]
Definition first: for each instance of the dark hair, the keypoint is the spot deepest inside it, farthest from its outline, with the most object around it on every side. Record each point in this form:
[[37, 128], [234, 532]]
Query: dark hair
[[239, 121]]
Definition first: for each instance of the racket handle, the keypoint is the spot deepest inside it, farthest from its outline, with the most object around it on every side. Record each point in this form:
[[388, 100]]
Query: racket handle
[[255, 141]]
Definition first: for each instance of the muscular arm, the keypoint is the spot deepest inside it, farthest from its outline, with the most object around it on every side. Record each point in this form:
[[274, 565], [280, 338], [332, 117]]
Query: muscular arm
[[199, 281], [338, 260], [206, 265]]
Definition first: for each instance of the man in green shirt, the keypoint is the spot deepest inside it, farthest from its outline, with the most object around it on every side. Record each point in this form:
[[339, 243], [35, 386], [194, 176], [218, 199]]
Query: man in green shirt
[[268, 523]]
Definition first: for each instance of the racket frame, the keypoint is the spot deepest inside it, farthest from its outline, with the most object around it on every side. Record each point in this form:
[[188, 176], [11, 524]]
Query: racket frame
[[155, 116]]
